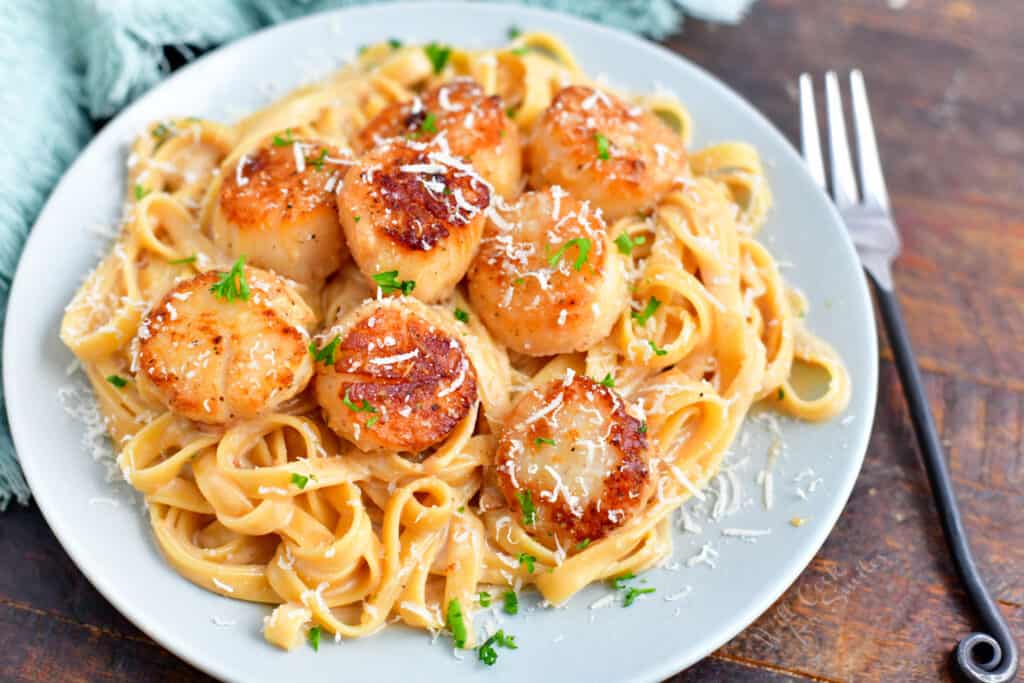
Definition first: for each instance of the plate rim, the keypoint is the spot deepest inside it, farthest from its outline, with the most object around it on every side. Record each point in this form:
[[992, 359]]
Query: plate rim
[[667, 666]]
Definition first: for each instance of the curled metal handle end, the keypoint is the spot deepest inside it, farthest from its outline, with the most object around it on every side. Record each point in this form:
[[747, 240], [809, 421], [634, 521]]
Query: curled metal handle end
[[979, 657]]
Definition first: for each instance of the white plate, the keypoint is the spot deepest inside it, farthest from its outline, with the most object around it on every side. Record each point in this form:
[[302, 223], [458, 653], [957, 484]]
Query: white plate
[[648, 641]]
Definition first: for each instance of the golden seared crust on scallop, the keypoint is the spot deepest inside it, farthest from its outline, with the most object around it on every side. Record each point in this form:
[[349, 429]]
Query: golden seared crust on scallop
[[414, 208], [278, 206], [474, 125], [582, 458], [547, 278], [401, 378], [582, 126], [214, 360]]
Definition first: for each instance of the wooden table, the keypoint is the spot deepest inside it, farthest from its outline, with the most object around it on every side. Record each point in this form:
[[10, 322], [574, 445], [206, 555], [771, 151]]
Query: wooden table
[[879, 602]]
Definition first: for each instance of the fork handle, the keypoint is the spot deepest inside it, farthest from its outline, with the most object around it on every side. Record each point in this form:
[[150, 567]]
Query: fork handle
[[982, 657]]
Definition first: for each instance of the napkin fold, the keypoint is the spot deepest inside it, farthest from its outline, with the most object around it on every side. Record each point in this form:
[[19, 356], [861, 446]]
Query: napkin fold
[[68, 63]]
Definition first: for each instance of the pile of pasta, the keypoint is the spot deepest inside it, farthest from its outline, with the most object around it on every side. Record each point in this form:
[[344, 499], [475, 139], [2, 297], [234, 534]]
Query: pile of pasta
[[281, 508]]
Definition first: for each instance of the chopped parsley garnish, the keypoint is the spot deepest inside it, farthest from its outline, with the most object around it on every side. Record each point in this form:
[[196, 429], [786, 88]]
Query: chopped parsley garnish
[[782, 393], [619, 582], [658, 351], [456, 624], [484, 598], [461, 315], [284, 141], [633, 593], [582, 244], [372, 421], [511, 602], [582, 545], [140, 192], [520, 50], [461, 509], [183, 261], [429, 123], [300, 480], [602, 146], [232, 284], [318, 162], [395, 43], [642, 317], [626, 243], [510, 112], [161, 132], [388, 282], [314, 638], [643, 427], [529, 511], [543, 440], [326, 354], [117, 381], [608, 381], [438, 56], [528, 560], [519, 281], [357, 218], [514, 32], [363, 407], [486, 652]]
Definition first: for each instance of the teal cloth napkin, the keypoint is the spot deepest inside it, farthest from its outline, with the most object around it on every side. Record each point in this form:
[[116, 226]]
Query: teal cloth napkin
[[66, 63]]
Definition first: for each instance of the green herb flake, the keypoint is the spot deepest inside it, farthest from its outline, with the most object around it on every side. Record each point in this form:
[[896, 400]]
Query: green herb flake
[[117, 381], [325, 355], [486, 652], [456, 624], [602, 143], [643, 316], [527, 560], [582, 245], [461, 509], [461, 315], [542, 441], [582, 545], [529, 511], [514, 32], [300, 480], [394, 43], [633, 593], [520, 50], [626, 243], [510, 112], [438, 56], [318, 161], [313, 636], [372, 421], [484, 598], [658, 351], [140, 192], [782, 393], [183, 261], [232, 284], [511, 600], [519, 281], [643, 427], [429, 124], [357, 218], [363, 407], [608, 381], [288, 139], [619, 583], [388, 282]]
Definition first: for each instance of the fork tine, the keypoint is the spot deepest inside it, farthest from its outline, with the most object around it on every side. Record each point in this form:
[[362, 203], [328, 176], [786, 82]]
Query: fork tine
[[872, 182], [844, 186], [810, 142]]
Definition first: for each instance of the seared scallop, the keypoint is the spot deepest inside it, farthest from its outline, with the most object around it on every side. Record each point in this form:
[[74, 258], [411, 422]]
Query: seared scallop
[[416, 209], [394, 375], [475, 126], [277, 205], [572, 462], [621, 158], [547, 278], [216, 352]]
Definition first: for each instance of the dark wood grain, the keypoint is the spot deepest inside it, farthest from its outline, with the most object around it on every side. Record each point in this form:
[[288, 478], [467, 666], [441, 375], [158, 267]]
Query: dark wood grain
[[880, 601]]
